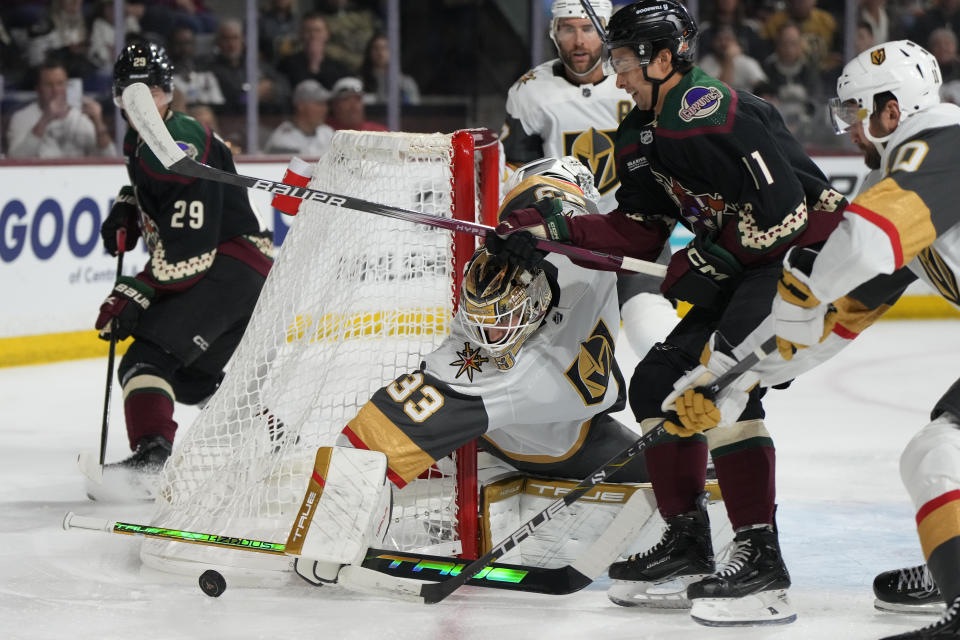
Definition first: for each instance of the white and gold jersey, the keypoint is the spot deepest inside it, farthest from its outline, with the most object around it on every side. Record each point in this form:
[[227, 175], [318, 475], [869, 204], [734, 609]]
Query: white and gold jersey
[[547, 115], [538, 410]]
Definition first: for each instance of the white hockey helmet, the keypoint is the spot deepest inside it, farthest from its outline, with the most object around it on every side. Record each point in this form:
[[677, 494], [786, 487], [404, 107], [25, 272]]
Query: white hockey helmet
[[574, 9], [902, 67], [566, 169]]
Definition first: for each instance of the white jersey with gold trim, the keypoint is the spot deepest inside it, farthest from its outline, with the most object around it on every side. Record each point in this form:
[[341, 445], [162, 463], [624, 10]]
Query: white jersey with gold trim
[[547, 115], [563, 375]]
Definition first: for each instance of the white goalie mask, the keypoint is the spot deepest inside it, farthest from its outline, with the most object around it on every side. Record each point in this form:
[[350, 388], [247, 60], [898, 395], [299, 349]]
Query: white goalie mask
[[566, 169], [902, 67], [501, 305]]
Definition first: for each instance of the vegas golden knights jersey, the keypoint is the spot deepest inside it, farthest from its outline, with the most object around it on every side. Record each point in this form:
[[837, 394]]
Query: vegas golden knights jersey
[[909, 217], [547, 115], [538, 410]]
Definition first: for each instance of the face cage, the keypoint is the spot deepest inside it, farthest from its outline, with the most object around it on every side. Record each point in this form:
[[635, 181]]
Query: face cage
[[477, 324], [845, 113]]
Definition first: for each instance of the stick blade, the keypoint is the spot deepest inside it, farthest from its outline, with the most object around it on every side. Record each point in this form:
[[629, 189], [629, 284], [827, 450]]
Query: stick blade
[[143, 115]]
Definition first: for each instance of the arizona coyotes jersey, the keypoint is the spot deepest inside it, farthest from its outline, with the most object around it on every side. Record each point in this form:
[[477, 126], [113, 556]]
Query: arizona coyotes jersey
[[538, 410], [909, 217], [720, 162], [547, 115], [185, 221]]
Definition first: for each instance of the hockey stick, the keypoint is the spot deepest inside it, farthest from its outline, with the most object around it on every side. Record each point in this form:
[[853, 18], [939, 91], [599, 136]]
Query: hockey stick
[[143, 115], [111, 354], [432, 593], [418, 566], [594, 20]]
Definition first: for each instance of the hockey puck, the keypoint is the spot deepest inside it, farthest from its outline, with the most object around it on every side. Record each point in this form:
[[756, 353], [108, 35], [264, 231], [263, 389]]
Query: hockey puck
[[212, 583]]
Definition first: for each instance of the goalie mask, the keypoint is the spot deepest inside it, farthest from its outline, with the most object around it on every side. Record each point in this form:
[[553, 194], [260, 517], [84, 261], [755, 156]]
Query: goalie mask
[[565, 178], [501, 305], [146, 62], [902, 67]]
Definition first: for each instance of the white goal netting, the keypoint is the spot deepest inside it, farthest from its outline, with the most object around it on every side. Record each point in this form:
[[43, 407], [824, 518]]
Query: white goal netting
[[353, 301]]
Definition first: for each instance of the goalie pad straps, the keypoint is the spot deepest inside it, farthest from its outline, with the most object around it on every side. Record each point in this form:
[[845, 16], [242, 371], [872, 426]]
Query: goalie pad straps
[[345, 509], [298, 174]]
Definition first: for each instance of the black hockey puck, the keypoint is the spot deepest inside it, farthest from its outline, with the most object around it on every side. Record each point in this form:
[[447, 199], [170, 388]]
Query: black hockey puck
[[212, 583]]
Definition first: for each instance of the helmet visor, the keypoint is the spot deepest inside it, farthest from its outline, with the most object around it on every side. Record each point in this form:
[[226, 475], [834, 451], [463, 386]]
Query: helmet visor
[[621, 59], [845, 113]]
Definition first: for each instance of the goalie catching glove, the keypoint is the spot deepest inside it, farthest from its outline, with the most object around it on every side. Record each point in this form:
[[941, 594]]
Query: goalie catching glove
[[800, 318], [124, 214], [121, 310], [698, 410]]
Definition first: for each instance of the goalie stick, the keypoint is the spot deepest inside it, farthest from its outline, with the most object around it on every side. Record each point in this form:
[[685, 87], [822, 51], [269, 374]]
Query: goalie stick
[[143, 115], [590, 564]]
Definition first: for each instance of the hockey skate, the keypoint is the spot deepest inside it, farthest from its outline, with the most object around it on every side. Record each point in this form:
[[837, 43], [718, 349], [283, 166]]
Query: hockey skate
[[131, 480], [659, 577], [909, 590], [751, 589], [946, 628]]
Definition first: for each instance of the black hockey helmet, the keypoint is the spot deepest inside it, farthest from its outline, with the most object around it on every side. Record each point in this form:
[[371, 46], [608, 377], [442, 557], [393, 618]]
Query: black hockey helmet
[[142, 61], [651, 25]]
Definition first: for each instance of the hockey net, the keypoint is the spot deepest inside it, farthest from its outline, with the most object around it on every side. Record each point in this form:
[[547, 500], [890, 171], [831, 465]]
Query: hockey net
[[353, 301]]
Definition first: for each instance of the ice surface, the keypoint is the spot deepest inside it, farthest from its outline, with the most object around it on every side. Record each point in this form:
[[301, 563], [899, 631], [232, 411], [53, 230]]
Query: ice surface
[[843, 515]]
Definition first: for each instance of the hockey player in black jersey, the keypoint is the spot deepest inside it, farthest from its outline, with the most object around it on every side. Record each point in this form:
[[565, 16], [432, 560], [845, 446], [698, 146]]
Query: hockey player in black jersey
[[209, 256], [724, 165]]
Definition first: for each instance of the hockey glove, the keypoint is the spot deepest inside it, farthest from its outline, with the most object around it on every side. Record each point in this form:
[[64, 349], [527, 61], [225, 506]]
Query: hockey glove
[[698, 410], [800, 318], [517, 248], [122, 309], [123, 215], [703, 273], [544, 220]]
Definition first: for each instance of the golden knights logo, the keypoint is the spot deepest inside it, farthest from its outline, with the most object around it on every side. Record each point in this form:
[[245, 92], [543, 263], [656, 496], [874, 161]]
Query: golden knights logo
[[470, 361], [590, 372], [877, 56], [940, 274], [594, 148]]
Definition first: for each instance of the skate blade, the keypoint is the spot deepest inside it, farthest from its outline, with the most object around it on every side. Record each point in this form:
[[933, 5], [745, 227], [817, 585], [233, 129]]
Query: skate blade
[[110, 483], [669, 594], [936, 607], [758, 609]]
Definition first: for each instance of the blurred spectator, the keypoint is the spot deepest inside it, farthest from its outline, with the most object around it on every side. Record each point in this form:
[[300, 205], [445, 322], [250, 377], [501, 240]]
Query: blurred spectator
[[864, 38], [229, 66], [62, 31], [306, 133], [793, 81], [165, 15], [818, 28], [943, 45], [874, 13], [102, 33], [191, 76], [312, 62], [732, 13], [942, 13], [277, 29], [728, 63], [351, 28], [53, 128], [12, 59], [346, 107], [374, 73]]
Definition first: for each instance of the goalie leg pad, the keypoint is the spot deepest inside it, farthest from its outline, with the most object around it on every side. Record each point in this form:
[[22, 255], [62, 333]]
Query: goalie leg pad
[[345, 509]]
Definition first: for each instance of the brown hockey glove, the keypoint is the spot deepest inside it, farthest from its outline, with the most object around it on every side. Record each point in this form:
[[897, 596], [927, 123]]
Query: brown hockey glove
[[544, 220]]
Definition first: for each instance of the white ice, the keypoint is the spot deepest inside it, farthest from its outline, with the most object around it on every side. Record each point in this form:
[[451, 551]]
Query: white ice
[[843, 515]]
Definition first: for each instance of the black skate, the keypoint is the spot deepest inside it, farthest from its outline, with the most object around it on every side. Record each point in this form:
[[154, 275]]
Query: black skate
[[659, 576], [909, 590], [131, 480], [946, 628], [751, 589]]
